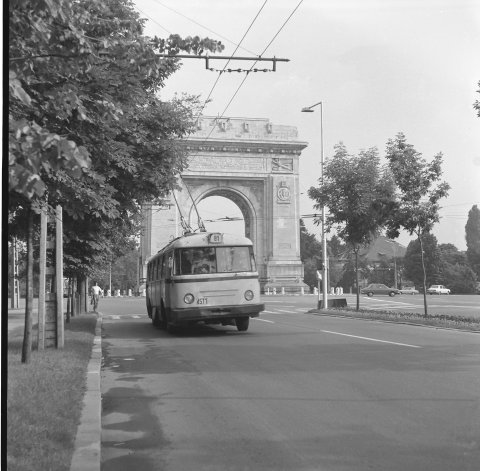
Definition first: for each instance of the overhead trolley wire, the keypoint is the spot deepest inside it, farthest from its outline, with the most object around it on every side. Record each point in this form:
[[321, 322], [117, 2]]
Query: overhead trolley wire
[[231, 57], [204, 27], [201, 224], [152, 19], [263, 52]]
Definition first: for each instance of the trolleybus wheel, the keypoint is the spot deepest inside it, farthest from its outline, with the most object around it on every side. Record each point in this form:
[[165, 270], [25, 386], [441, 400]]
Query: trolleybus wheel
[[242, 323], [163, 318], [156, 318]]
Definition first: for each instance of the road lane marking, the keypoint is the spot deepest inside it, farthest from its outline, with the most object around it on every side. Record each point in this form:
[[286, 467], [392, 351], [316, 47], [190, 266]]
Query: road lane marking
[[263, 320], [282, 310], [372, 340]]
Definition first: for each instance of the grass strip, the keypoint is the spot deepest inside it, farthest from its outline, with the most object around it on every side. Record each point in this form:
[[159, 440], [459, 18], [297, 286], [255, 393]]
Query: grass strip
[[435, 320], [45, 398]]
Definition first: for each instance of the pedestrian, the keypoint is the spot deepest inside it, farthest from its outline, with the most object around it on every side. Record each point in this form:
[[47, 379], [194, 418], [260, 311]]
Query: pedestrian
[[96, 290]]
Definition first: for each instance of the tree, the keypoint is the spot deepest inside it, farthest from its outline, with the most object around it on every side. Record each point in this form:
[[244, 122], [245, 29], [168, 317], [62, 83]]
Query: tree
[[418, 194], [86, 126], [431, 261], [472, 237], [459, 278], [476, 105], [337, 255], [359, 195], [310, 254], [455, 272]]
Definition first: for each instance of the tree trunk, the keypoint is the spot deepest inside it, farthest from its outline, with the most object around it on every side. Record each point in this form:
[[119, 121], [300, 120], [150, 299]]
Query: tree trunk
[[356, 280], [424, 276], [69, 300], [27, 336], [83, 295]]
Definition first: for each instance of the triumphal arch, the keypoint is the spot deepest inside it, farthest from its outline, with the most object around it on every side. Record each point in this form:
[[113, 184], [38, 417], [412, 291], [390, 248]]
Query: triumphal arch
[[254, 163]]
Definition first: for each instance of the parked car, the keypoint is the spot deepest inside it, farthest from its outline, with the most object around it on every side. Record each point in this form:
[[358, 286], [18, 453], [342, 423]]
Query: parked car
[[379, 288], [409, 290], [438, 289]]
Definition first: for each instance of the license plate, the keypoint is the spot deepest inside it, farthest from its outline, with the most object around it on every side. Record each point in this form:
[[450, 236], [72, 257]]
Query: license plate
[[202, 301]]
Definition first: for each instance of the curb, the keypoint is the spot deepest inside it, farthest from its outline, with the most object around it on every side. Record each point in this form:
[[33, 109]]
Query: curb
[[86, 455]]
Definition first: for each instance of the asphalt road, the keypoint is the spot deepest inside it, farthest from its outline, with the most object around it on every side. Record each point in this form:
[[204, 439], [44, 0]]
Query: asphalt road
[[295, 392]]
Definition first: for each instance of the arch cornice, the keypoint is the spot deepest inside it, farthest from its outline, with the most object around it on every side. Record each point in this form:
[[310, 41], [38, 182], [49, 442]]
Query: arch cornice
[[248, 147]]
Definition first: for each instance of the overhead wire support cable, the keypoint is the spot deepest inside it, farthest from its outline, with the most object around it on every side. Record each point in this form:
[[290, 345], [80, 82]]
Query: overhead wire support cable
[[185, 226], [201, 225], [202, 26]]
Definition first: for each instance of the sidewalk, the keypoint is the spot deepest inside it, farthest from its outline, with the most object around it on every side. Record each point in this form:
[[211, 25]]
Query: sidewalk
[[86, 454]]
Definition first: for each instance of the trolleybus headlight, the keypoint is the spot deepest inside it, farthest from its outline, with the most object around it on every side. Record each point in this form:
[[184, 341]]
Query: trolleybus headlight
[[188, 298], [248, 295]]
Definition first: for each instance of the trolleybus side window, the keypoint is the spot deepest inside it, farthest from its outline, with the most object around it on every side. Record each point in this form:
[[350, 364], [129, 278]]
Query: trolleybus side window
[[165, 265]]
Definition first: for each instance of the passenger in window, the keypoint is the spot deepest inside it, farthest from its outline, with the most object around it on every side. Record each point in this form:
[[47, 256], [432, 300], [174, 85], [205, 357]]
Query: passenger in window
[[186, 264]]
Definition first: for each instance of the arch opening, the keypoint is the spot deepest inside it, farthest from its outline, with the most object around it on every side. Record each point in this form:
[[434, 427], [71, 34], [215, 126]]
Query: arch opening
[[221, 214]]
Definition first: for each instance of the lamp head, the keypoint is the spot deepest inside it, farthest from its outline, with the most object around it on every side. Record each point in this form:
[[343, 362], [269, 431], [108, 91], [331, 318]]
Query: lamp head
[[307, 110]]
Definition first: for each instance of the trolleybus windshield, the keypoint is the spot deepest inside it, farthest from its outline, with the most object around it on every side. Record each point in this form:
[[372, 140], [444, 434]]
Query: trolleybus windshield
[[199, 260]]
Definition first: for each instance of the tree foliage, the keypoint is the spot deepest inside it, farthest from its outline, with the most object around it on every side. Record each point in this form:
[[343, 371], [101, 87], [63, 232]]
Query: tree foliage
[[476, 105], [418, 193], [472, 237], [358, 193], [87, 128]]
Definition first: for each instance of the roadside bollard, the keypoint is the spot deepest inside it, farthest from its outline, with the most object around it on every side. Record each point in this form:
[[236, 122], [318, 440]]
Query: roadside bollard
[[315, 290], [302, 290], [268, 292], [274, 291], [283, 290]]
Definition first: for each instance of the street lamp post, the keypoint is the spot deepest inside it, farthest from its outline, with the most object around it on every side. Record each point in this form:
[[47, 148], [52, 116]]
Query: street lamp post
[[309, 109], [394, 262]]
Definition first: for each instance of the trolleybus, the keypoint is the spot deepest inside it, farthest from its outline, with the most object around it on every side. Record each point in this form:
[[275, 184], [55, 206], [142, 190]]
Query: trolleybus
[[207, 277]]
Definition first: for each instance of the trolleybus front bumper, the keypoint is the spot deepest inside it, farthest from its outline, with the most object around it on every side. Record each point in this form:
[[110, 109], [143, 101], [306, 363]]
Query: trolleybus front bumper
[[179, 316]]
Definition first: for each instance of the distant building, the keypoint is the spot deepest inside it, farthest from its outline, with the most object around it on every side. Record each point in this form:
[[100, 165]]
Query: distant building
[[382, 249]]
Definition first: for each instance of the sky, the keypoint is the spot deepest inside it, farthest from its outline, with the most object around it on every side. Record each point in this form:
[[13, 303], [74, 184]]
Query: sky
[[379, 67]]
